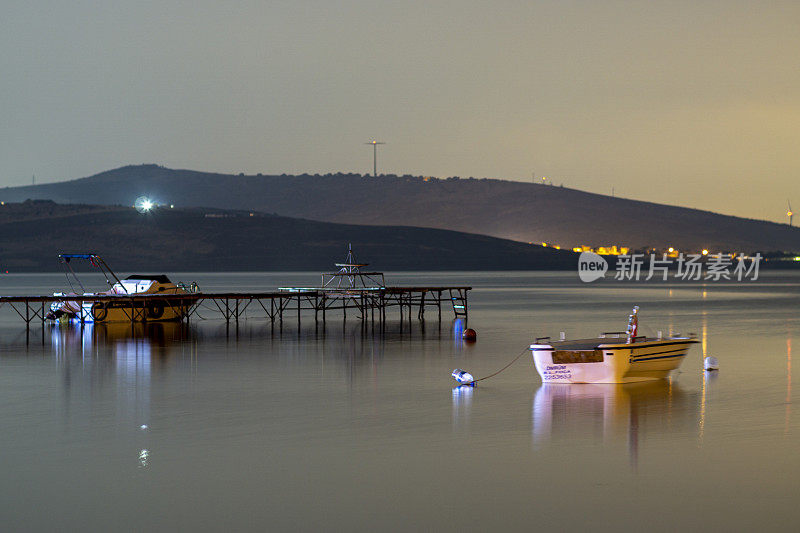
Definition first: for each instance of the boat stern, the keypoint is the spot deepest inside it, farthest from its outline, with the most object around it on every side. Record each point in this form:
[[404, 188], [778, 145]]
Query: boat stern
[[585, 365]]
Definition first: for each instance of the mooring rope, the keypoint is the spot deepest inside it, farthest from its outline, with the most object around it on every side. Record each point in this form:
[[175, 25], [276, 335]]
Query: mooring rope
[[493, 375]]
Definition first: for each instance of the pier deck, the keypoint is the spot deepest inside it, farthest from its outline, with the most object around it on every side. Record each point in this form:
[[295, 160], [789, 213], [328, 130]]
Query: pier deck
[[365, 303], [365, 294]]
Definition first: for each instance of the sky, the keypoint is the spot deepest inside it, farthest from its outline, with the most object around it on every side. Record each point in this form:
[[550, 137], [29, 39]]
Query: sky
[[693, 103]]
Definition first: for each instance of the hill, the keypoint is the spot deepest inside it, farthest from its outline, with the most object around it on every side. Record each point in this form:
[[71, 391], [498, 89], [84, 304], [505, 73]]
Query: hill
[[518, 211], [33, 233]]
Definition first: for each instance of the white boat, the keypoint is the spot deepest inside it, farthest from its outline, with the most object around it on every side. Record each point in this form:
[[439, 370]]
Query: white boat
[[618, 357], [114, 304]]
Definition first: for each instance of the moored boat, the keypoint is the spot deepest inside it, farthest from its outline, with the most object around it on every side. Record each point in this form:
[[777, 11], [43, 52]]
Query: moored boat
[[116, 304], [618, 357]]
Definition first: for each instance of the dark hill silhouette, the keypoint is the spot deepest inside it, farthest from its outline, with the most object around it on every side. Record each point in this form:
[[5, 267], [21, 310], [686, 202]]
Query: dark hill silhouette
[[507, 209], [33, 233]]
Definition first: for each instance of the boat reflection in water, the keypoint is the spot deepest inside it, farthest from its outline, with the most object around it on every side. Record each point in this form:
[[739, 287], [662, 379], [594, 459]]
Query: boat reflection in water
[[117, 338], [130, 348], [614, 413], [117, 360]]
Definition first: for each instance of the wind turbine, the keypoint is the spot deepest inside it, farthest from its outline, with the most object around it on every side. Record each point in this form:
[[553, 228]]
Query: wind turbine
[[789, 212]]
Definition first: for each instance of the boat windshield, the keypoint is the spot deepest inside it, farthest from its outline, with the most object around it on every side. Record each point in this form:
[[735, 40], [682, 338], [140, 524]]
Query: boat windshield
[[132, 286]]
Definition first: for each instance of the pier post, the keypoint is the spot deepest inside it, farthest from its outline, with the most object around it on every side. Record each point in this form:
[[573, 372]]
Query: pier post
[[42, 317], [400, 300], [27, 322]]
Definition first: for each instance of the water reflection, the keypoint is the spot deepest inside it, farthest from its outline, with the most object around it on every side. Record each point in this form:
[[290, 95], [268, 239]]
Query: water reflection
[[350, 353], [788, 399], [68, 339], [459, 324], [704, 346], [118, 358], [462, 404], [144, 458], [613, 414]]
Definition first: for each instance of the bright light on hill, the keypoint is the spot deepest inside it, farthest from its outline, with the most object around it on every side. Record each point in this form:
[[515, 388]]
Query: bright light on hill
[[144, 204]]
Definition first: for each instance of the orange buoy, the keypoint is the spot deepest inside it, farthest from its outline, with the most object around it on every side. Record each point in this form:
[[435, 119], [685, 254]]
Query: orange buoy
[[469, 335]]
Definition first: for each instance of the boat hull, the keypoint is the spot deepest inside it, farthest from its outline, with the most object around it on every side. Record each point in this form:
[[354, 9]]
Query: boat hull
[[157, 311], [121, 309], [610, 363]]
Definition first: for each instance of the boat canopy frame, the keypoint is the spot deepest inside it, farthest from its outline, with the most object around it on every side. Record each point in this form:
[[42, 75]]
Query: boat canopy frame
[[97, 262]]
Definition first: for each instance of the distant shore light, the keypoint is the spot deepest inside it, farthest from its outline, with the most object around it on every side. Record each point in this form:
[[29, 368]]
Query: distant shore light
[[144, 204]]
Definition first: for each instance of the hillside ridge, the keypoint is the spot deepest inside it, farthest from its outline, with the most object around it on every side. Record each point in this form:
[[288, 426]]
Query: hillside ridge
[[525, 212], [33, 233]]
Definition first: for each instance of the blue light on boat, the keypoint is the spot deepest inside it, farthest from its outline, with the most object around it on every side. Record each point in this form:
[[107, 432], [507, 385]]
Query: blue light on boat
[[463, 377]]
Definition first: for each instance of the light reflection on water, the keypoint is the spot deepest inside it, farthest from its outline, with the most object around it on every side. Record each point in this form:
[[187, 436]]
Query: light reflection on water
[[788, 400], [618, 413], [203, 426]]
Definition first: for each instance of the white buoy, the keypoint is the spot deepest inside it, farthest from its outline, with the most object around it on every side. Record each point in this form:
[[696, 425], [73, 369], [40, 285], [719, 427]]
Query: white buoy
[[710, 363], [463, 377]]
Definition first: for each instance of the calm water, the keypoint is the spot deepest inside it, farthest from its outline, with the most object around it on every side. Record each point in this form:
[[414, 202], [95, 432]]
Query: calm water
[[345, 429]]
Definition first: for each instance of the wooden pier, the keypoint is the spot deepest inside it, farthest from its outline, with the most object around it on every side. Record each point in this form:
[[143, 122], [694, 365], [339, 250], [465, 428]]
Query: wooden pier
[[366, 304], [364, 295]]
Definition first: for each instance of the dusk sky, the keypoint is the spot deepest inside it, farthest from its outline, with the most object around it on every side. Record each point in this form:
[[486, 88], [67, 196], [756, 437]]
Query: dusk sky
[[689, 103]]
